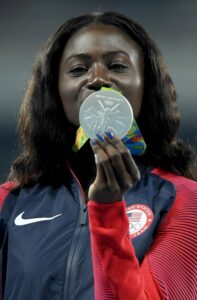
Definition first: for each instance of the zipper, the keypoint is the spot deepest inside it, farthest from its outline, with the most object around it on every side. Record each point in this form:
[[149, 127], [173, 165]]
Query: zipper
[[72, 262]]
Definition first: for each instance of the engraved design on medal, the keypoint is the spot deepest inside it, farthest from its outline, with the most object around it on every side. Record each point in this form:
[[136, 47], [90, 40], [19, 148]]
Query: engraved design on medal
[[103, 111]]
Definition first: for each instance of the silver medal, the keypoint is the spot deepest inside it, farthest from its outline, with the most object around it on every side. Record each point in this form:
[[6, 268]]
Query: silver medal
[[106, 110]]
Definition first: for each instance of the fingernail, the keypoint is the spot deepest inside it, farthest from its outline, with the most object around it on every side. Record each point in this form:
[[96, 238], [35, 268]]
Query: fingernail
[[100, 137], [93, 142], [109, 134]]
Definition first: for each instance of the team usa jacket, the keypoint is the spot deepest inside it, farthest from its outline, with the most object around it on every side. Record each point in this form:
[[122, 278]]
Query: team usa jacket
[[54, 247]]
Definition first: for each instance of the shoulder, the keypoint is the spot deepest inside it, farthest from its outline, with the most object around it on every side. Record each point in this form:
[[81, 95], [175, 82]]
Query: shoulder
[[183, 185], [5, 189], [185, 204], [175, 241]]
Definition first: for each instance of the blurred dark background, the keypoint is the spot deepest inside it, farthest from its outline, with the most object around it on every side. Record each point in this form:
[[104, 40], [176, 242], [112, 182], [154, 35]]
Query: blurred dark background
[[26, 25]]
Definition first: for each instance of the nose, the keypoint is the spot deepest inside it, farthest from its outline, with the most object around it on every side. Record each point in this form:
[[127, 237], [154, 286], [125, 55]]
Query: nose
[[98, 78]]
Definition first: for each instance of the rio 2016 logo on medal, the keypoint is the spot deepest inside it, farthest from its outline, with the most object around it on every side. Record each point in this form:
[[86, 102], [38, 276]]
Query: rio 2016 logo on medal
[[140, 218]]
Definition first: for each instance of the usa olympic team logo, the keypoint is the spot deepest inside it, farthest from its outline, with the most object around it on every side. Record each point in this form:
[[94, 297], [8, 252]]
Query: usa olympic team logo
[[140, 218]]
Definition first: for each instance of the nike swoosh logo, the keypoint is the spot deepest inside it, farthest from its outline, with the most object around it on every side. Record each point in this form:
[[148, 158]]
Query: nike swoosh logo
[[20, 221]]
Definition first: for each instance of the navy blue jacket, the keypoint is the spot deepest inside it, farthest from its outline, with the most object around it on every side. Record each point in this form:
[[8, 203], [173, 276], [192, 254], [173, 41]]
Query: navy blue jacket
[[51, 258]]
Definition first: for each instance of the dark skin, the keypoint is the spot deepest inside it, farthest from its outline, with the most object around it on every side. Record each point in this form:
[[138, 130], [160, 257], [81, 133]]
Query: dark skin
[[95, 56]]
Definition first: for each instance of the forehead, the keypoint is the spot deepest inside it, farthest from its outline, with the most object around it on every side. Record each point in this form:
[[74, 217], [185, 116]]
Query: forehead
[[100, 38]]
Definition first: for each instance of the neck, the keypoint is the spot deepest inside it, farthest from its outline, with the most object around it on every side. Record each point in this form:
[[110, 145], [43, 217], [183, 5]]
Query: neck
[[83, 165]]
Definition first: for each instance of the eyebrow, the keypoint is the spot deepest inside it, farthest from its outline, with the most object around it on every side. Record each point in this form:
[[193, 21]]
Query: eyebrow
[[87, 56]]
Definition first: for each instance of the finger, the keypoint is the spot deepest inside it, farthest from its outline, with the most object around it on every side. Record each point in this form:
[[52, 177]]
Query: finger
[[113, 165], [128, 160], [105, 171], [100, 173], [112, 182], [113, 145]]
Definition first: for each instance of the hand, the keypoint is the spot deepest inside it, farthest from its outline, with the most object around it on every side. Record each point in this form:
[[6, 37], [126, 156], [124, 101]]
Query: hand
[[116, 169]]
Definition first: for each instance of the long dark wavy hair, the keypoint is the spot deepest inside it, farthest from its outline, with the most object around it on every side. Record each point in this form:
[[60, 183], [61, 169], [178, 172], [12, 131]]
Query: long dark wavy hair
[[46, 136]]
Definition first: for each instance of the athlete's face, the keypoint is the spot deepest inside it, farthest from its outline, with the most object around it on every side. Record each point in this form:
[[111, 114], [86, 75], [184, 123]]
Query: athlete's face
[[95, 56]]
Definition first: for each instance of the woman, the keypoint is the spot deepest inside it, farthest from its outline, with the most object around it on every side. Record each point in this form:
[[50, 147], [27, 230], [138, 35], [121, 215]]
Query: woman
[[142, 210]]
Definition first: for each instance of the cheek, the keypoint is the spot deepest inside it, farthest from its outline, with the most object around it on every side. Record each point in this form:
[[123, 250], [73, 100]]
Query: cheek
[[134, 94], [64, 87], [68, 96]]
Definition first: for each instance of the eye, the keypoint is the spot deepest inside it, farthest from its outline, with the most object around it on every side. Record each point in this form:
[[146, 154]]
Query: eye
[[78, 70], [118, 67]]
